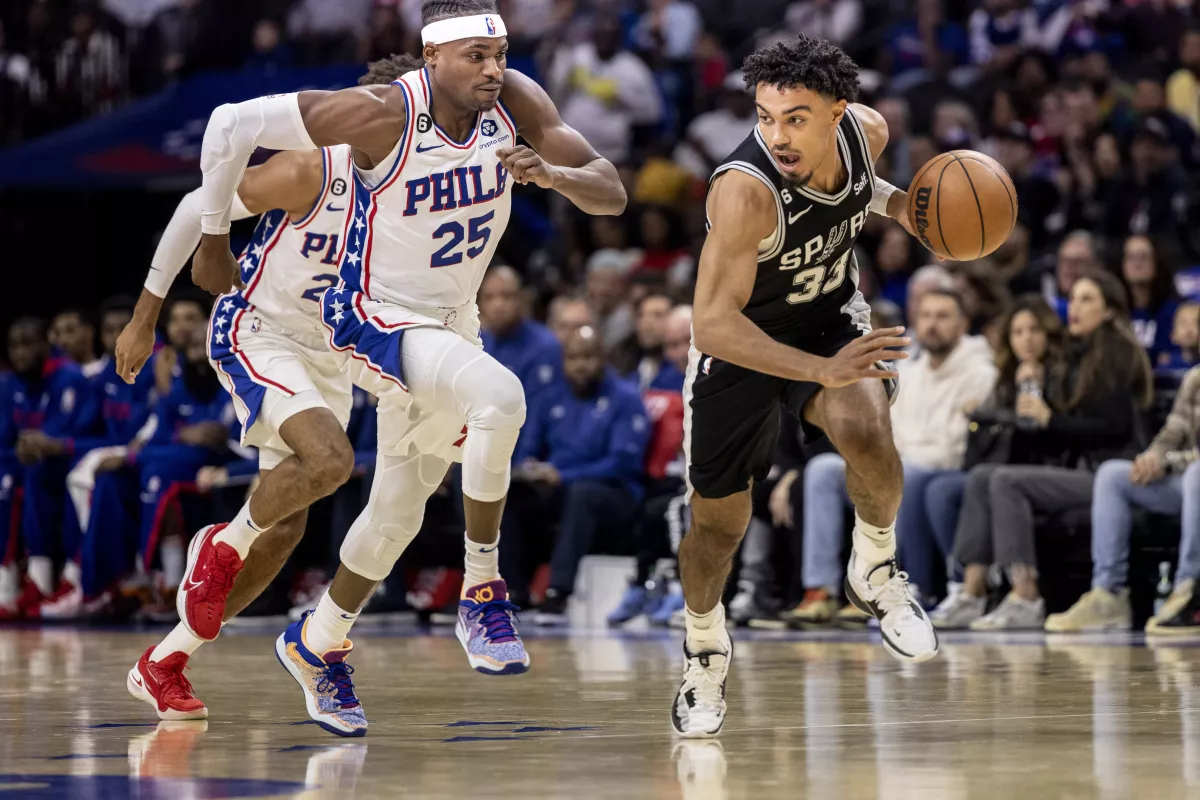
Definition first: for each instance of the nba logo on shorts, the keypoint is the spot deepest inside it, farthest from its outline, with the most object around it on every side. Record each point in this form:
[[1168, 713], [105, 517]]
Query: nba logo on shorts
[[707, 365], [491, 28], [255, 325]]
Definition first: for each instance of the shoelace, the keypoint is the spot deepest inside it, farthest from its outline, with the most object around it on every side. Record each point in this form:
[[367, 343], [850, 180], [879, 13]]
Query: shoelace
[[892, 593], [494, 617], [337, 679], [173, 684], [219, 578], [705, 681]]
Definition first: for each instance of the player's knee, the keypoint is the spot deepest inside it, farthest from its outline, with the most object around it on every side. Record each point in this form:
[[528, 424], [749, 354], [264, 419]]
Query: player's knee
[[859, 438], [501, 406], [329, 464]]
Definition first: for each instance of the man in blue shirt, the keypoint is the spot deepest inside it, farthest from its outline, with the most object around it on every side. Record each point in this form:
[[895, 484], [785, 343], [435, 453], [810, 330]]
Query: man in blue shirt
[[528, 349], [580, 461], [44, 397], [640, 357]]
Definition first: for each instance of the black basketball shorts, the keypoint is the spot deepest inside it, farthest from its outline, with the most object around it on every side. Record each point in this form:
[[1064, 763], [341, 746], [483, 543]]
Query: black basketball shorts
[[731, 414]]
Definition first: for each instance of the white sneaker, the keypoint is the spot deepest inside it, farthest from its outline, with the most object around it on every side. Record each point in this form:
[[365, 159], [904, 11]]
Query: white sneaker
[[958, 609], [699, 708], [882, 591], [1013, 614]]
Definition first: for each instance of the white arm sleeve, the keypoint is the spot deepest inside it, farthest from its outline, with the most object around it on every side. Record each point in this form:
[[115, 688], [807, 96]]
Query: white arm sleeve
[[233, 132], [179, 241]]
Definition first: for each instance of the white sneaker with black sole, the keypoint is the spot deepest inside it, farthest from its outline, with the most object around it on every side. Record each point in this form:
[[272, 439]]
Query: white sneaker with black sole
[[882, 591], [699, 708]]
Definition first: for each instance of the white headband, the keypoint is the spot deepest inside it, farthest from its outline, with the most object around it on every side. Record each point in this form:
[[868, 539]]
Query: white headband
[[487, 26]]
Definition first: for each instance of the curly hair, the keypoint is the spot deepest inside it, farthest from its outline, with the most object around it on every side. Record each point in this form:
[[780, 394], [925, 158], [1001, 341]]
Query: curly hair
[[435, 10], [386, 70], [815, 64]]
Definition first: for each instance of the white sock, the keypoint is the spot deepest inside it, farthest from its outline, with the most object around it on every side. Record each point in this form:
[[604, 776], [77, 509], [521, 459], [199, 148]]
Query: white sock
[[10, 582], [873, 545], [240, 533], [482, 562], [171, 553], [177, 641], [73, 573], [327, 626], [41, 572], [705, 630]]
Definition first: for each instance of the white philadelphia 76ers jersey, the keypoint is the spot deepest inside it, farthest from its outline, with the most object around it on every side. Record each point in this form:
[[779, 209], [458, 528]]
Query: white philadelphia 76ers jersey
[[289, 263], [427, 219]]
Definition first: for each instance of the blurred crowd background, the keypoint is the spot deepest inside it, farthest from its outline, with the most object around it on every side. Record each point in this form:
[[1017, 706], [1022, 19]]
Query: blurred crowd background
[[1047, 421]]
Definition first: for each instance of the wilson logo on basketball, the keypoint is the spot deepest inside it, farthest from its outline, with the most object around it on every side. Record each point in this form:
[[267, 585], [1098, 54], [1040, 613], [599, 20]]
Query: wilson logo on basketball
[[922, 215]]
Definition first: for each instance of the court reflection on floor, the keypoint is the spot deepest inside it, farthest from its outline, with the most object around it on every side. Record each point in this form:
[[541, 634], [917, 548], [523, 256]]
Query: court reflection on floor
[[814, 717]]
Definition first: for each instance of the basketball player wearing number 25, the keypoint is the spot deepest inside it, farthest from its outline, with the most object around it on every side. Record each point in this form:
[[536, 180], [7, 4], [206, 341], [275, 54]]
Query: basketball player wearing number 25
[[779, 321], [433, 154]]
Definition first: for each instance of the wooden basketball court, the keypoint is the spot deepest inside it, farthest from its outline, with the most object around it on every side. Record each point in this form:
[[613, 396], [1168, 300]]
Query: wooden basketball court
[[816, 716]]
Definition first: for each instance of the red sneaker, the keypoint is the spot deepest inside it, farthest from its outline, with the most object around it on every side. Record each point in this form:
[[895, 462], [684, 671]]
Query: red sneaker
[[26, 605], [207, 581], [162, 685]]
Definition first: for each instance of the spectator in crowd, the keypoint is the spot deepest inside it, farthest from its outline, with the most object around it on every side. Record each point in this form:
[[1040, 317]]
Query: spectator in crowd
[[923, 43], [1077, 255], [676, 24], [984, 296], [527, 348], [836, 20], [1037, 198], [929, 278], [387, 34], [610, 244], [42, 399], [124, 409], [270, 53], [605, 91], [90, 69], [677, 337], [1153, 197], [895, 111], [579, 462], [1183, 87], [640, 357], [567, 315], [952, 372], [1149, 278], [715, 134], [1165, 479], [1000, 30], [187, 35], [606, 287], [893, 264], [327, 32], [75, 336], [1029, 359], [1185, 340], [1108, 384], [665, 251]]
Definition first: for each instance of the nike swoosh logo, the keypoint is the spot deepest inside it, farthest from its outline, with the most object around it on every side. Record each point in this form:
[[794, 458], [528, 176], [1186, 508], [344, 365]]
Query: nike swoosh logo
[[421, 149], [334, 210], [793, 217], [489, 551], [138, 681], [346, 616]]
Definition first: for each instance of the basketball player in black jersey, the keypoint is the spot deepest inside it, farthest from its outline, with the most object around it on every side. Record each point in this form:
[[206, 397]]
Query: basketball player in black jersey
[[779, 322]]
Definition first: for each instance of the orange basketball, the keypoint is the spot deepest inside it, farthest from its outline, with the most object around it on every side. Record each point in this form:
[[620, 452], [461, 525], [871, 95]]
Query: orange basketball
[[962, 204]]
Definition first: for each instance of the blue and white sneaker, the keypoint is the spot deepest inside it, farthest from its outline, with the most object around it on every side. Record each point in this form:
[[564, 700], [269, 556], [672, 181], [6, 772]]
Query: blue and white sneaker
[[633, 604], [671, 604], [325, 681], [488, 631]]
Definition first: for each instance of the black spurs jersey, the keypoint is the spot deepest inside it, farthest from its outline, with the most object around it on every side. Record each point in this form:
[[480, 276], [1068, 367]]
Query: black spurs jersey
[[807, 274]]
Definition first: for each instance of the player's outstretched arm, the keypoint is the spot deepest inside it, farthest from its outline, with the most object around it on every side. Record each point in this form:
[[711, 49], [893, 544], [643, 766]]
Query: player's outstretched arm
[[742, 213], [561, 159], [370, 119], [888, 201], [288, 180]]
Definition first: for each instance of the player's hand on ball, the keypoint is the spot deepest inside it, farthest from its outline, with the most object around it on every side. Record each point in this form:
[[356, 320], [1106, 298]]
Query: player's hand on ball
[[858, 360], [135, 345], [214, 269], [526, 166]]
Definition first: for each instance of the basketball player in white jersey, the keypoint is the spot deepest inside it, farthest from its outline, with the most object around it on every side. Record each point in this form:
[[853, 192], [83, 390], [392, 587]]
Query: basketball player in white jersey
[[269, 349], [433, 156]]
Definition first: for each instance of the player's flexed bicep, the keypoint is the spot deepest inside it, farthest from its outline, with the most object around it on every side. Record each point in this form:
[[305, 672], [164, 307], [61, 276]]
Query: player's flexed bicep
[[371, 119], [741, 214], [561, 158]]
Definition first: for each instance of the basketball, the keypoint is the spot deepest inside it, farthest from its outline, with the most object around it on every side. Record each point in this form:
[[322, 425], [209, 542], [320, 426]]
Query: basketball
[[962, 204]]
